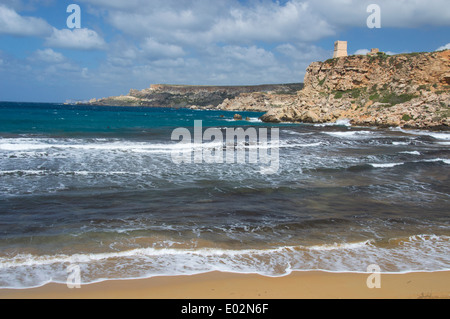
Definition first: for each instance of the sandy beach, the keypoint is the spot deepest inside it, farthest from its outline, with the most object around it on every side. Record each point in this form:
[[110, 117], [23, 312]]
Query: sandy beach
[[215, 285]]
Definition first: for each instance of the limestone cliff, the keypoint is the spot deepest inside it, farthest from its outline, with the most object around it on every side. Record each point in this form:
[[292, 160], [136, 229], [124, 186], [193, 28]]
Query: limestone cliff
[[189, 96], [408, 90]]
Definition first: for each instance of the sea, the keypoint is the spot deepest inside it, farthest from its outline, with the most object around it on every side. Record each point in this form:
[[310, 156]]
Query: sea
[[97, 188]]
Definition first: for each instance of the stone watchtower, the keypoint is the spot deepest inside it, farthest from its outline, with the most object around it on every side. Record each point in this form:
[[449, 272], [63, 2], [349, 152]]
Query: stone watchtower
[[340, 49]]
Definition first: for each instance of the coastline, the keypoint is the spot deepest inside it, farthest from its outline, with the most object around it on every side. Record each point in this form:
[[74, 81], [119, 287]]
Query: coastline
[[217, 285]]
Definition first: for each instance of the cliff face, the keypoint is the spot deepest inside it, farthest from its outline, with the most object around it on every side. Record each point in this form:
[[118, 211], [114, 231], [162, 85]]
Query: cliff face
[[401, 73], [409, 90], [185, 96]]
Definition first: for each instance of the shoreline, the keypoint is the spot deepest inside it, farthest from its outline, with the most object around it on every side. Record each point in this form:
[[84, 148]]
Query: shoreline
[[219, 285]]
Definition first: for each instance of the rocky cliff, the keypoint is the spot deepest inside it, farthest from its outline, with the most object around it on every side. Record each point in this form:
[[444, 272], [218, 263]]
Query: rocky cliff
[[408, 90], [186, 96]]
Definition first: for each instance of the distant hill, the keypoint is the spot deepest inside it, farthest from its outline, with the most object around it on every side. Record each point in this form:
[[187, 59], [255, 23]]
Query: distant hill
[[191, 96]]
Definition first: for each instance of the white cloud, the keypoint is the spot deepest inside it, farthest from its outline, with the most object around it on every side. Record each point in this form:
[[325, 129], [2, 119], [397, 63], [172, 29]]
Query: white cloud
[[154, 49], [303, 52], [77, 39], [365, 51], [250, 56], [362, 52], [233, 22], [13, 24], [271, 23], [444, 47], [205, 22], [405, 13], [47, 55]]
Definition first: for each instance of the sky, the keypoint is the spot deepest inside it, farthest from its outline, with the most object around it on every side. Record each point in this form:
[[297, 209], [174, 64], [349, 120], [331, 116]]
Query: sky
[[129, 44]]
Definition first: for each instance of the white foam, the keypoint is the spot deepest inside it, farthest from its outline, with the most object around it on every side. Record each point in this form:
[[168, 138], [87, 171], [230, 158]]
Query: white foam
[[390, 165], [351, 134], [436, 135], [444, 160], [341, 122], [416, 253], [254, 120], [296, 133], [24, 172], [138, 147], [342, 246], [400, 143], [294, 145], [385, 165]]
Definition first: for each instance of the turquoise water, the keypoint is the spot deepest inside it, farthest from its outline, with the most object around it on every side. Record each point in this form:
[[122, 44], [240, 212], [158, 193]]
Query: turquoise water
[[97, 187], [70, 120]]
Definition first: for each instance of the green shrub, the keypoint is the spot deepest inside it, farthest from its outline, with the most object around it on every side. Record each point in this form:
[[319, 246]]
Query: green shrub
[[356, 93], [406, 118], [374, 97], [422, 87], [321, 82], [338, 95], [394, 99]]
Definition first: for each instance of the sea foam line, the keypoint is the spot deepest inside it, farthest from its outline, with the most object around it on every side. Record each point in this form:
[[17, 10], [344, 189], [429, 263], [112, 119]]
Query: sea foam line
[[414, 254], [33, 260]]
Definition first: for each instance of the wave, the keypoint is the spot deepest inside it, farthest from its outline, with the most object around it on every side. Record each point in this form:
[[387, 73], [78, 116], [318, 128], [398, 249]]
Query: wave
[[341, 122], [390, 165], [113, 146], [414, 253], [250, 119], [386, 165], [400, 143], [444, 160], [44, 148], [351, 134], [49, 172], [436, 135]]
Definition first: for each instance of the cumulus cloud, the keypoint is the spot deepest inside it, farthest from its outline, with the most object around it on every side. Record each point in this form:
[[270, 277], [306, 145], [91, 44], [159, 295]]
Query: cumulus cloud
[[48, 56], [362, 52], [444, 47], [206, 22], [238, 22], [405, 13], [76, 39], [14, 24], [156, 50]]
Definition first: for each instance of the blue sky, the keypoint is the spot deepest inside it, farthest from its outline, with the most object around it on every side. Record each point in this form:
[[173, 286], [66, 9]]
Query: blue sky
[[124, 44]]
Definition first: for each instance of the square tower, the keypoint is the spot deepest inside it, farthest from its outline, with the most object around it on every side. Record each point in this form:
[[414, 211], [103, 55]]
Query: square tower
[[340, 49]]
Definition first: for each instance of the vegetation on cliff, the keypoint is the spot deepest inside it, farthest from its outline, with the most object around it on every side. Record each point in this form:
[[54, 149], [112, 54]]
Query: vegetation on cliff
[[408, 90]]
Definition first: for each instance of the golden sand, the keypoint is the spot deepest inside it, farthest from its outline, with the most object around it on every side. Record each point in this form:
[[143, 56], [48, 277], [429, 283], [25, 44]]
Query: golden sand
[[215, 285]]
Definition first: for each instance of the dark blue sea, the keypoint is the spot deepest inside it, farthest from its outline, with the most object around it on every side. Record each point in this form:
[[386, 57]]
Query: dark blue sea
[[97, 187]]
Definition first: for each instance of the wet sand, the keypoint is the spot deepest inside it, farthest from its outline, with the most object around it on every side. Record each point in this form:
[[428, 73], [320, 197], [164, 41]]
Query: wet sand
[[215, 285]]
